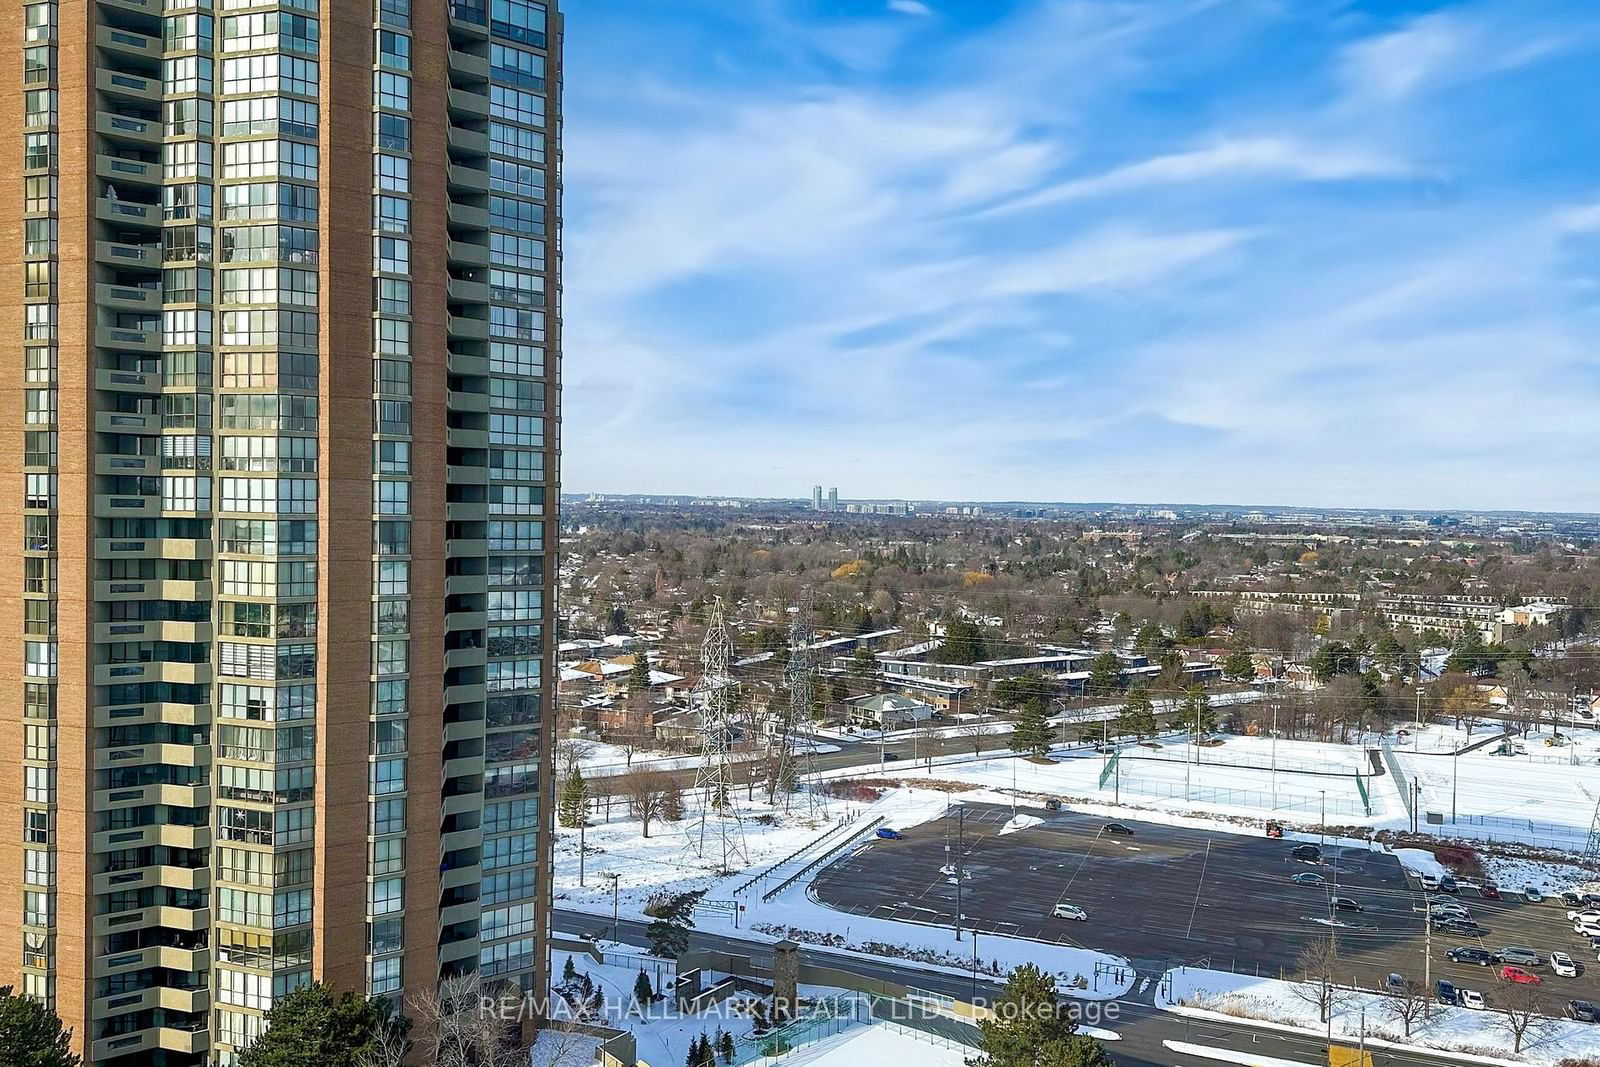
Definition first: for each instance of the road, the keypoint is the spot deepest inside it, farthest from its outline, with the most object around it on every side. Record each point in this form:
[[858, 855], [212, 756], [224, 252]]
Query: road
[[1142, 1027]]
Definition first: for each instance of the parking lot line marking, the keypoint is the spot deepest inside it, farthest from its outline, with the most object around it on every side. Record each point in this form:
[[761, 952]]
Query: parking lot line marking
[[1199, 887]]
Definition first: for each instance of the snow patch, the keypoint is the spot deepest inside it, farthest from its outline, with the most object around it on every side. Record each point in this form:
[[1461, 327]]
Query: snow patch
[[1019, 822]]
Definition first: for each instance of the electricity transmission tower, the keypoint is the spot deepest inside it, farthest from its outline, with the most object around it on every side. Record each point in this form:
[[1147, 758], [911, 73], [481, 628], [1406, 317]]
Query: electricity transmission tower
[[1591, 851], [718, 831], [787, 766]]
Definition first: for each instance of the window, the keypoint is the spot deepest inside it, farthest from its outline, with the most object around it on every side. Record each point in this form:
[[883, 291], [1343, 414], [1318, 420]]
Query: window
[[511, 250], [186, 33], [516, 394], [391, 498], [186, 117], [391, 296], [270, 29], [269, 74], [383, 976], [395, 13], [510, 176], [386, 895], [392, 91], [269, 114], [186, 159], [265, 159], [517, 142], [269, 200], [39, 107], [389, 698], [391, 214], [391, 538], [391, 173], [519, 20], [270, 328], [39, 235], [265, 285], [187, 285], [38, 151], [394, 50], [180, 202], [392, 132], [516, 429], [391, 255], [390, 658], [393, 577], [186, 74], [388, 776], [391, 457], [186, 328], [517, 105], [39, 194]]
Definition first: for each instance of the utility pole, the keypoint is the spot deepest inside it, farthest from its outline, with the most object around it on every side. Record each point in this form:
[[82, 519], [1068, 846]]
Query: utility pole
[[1427, 954], [1323, 828], [583, 824], [1274, 755], [616, 934], [961, 848], [1455, 769]]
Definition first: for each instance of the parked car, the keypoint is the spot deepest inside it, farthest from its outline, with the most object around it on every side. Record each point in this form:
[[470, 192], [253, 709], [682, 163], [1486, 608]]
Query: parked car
[[1582, 1010], [1308, 878], [1429, 882], [1564, 965], [1445, 992], [1306, 853], [1395, 983], [1052, 805], [1520, 955], [1489, 891], [1518, 976], [1454, 924], [1571, 899], [1591, 900], [1470, 954], [1448, 884], [1346, 904], [891, 755], [1582, 913], [1470, 998], [1119, 828], [1070, 911], [1532, 895], [890, 835], [1274, 829]]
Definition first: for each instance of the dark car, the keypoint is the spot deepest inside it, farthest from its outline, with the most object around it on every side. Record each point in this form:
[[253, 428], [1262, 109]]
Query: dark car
[[1490, 891], [890, 835], [1470, 954], [1121, 829], [1306, 853], [1571, 899], [1583, 1011], [1591, 900], [1462, 927], [1445, 992], [1052, 805], [1346, 904], [1447, 884], [891, 755], [1274, 829]]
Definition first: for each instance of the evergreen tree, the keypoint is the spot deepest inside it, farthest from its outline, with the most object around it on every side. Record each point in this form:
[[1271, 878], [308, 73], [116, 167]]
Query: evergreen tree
[[725, 1046], [671, 801], [642, 993], [1138, 715], [1105, 674], [639, 676], [619, 620], [312, 1026], [1196, 714], [31, 1035], [1031, 735], [1238, 665], [1032, 1028], [570, 971], [574, 804], [963, 642], [1151, 640], [668, 932]]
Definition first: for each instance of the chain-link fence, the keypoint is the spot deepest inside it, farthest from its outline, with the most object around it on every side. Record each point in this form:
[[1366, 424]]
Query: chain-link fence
[[1261, 800]]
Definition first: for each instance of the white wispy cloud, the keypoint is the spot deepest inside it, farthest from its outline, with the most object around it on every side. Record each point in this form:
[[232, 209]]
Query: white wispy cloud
[[1237, 157], [910, 7]]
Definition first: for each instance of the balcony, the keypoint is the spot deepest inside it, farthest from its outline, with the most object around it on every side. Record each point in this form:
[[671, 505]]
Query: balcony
[[464, 103], [467, 253], [133, 714], [466, 547], [467, 291], [126, 43], [457, 474], [128, 297], [122, 339], [127, 213], [126, 422], [469, 180], [467, 511], [129, 87], [467, 142], [466, 657], [467, 364], [466, 584], [129, 172], [466, 437], [467, 217], [116, 254], [172, 998], [108, 463], [455, 398], [468, 66], [126, 128], [457, 621], [128, 381], [108, 506]]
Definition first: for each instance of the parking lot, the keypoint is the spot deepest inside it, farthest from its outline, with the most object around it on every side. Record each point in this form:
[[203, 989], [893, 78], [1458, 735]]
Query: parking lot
[[1167, 896]]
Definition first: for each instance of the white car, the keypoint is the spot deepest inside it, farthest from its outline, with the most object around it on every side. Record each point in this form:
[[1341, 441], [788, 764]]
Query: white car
[[1070, 911], [1563, 964], [1469, 998], [1583, 913], [1446, 908], [1429, 881]]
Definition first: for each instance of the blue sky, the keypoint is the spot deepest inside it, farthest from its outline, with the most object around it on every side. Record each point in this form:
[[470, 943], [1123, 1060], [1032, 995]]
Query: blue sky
[[1256, 251]]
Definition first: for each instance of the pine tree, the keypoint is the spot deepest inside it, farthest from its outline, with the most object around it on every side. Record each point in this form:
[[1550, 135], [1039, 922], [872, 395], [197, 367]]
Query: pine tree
[[574, 804], [725, 1046], [1138, 716], [1105, 674], [570, 971], [1031, 1028], [1239, 666], [32, 1035], [1196, 714], [639, 676], [1031, 735], [642, 993], [671, 801]]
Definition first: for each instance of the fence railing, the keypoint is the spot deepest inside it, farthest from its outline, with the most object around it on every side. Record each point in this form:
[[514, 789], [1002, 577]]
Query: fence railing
[[1401, 782], [822, 857], [808, 846]]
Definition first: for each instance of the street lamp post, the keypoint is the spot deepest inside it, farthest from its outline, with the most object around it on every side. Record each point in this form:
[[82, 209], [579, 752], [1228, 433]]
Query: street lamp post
[[1455, 767], [616, 913], [1274, 755], [961, 848], [1324, 821]]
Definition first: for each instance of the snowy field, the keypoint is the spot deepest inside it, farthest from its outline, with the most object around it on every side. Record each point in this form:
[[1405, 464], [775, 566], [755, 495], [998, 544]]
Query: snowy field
[[1234, 778], [1544, 796], [1224, 995]]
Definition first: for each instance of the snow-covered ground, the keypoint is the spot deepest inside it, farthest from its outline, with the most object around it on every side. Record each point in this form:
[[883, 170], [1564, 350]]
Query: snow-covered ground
[[1234, 778], [661, 1033], [1239, 996], [603, 759], [1544, 796], [880, 1044]]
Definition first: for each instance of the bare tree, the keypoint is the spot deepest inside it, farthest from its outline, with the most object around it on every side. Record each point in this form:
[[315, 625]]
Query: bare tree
[[390, 1047], [974, 730], [467, 1024], [646, 790], [571, 753], [1319, 963], [1410, 1004], [925, 739], [1519, 1014]]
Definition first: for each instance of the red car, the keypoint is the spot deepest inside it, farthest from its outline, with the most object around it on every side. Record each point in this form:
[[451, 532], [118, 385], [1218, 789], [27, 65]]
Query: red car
[[1518, 975], [1489, 892]]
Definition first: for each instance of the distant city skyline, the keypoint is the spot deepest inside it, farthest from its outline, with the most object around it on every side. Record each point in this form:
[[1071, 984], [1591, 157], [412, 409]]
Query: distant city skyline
[[1343, 254]]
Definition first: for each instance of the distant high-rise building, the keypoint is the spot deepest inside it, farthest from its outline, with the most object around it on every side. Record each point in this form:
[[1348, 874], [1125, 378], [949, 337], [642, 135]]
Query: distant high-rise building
[[816, 498], [281, 383], [833, 499]]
